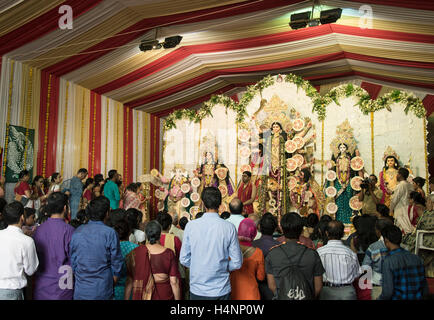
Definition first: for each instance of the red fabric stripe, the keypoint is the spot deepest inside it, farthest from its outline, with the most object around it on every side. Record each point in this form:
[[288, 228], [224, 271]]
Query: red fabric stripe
[[155, 150], [128, 146], [283, 37], [271, 66], [194, 102], [95, 141], [51, 145], [235, 98], [254, 68], [42, 25], [428, 102], [90, 166], [414, 4], [97, 163], [238, 44], [389, 79], [78, 61], [394, 62], [382, 34], [373, 89]]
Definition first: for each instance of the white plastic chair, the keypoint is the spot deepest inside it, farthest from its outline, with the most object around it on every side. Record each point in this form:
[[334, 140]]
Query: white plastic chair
[[419, 240]]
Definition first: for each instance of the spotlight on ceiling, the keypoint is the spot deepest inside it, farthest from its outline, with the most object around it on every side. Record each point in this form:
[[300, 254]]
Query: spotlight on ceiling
[[330, 16], [171, 42], [299, 20], [149, 45]]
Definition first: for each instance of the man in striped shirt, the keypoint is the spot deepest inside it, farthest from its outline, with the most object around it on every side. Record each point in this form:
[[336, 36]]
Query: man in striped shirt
[[341, 266]]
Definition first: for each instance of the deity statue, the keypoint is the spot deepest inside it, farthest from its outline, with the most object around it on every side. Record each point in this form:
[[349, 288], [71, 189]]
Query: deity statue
[[206, 170], [388, 181], [223, 180], [306, 196], [344, 149], [172, 191]]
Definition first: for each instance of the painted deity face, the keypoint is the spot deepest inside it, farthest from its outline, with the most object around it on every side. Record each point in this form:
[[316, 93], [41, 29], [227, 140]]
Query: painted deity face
[[209, 157], [178, 173], [342, 148], [390, 162], [276, 128]]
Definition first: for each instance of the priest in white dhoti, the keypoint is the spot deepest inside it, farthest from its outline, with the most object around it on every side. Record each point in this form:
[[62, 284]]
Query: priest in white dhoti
[[399, 201]]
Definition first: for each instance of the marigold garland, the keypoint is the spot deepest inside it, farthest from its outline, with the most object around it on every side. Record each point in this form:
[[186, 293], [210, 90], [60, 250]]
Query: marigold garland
[[93, 135], [65, 123], [82, 131], [47, 115], [28, 108], [106, 136]]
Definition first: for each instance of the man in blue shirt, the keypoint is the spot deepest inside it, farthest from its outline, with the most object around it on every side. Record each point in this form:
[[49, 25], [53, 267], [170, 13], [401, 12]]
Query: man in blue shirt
[[374, 256], [96, 258], [111, 189], [211, 250], [403, 272], [76, 191]]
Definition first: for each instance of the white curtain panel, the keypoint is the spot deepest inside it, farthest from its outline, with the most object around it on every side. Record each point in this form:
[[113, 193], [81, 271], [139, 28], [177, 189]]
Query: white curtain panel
[[405, 134]]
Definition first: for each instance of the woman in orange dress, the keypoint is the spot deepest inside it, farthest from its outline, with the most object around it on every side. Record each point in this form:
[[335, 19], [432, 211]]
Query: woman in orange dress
[[244, 281]]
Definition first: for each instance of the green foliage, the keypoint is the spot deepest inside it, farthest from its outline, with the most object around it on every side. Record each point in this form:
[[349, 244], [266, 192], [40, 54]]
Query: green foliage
[[320, 103]]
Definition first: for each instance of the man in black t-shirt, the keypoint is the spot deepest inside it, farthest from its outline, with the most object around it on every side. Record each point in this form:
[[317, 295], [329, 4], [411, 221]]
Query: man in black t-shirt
[[276, 260]]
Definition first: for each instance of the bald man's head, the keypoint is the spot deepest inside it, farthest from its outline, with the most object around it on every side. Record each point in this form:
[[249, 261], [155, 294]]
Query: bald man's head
[[236, 206], [335, 230]]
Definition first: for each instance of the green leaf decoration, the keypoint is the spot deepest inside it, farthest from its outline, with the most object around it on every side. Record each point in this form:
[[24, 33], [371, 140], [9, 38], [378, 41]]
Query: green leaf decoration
[[320, 103]]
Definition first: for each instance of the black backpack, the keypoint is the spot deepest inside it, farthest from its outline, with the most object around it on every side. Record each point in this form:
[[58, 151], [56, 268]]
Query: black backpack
[[293, 284]]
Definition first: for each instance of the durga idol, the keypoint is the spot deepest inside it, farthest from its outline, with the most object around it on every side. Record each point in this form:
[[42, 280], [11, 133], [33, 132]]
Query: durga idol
[[388, 176]]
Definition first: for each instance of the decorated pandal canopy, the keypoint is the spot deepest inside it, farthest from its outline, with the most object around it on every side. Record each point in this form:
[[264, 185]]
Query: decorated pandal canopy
[[307, 153], [89, 97]]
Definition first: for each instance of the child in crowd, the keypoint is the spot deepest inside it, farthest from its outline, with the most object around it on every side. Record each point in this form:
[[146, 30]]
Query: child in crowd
[[29, 225]]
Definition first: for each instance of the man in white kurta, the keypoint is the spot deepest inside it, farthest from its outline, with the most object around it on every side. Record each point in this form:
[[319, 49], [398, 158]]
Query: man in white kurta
[[399, 201]]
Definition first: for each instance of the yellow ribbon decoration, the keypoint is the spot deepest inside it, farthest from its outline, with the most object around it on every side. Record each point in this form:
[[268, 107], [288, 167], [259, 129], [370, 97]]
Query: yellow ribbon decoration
[[82, 132], [155, 140], [47, 115], [236, 158], [322, 153], [93, 134], [28, 108], [106, 137], [145, 139], [11, 83], [137, 145], [117, 135], [426, 155], [164, 148], [65, 123], [126, 147], [372, 143]]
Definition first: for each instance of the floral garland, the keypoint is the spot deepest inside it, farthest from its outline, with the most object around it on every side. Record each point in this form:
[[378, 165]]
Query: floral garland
[[364, 102], [345, 91], [411, 102]]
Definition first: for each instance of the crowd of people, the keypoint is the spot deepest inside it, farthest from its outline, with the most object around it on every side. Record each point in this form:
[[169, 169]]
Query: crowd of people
[[89, 239]]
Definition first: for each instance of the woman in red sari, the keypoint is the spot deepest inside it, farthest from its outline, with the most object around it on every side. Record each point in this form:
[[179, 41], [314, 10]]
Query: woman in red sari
[[22, 188], [152, 270]]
